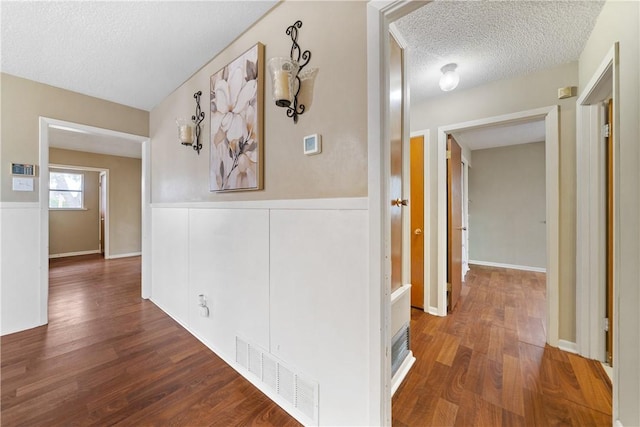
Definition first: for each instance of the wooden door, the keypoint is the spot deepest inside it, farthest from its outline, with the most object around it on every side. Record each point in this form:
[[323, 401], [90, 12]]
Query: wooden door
[[609, 220], [454, 222], [103, 204], [395, 184], [417, 221]]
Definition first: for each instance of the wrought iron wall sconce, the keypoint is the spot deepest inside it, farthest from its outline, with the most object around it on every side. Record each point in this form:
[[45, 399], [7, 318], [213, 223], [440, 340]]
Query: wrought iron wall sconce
[[293, 87], [189, 129]]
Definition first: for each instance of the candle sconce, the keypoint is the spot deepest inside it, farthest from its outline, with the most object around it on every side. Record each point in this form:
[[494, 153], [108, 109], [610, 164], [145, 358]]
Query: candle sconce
[[189, 129], [293, 87]]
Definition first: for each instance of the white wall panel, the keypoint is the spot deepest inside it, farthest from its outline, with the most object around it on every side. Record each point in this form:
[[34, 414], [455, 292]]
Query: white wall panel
[[229, 264], [319, 298], [20, 267], [170, 233]]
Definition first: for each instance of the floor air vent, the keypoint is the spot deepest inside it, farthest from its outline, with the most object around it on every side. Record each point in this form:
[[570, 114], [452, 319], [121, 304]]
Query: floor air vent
[[399, 348], [298, 393]]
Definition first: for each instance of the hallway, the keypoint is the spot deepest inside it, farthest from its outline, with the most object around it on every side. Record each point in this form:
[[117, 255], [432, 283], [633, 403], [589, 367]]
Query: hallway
[[109, 357], [487, 363]]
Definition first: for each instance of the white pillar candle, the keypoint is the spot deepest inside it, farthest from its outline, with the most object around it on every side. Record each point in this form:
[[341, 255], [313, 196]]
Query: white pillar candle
[[281, 85], [186, 134]]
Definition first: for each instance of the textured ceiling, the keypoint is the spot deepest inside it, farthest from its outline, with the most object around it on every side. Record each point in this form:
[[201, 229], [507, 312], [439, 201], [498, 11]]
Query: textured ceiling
[[134, 53], [492, 40]]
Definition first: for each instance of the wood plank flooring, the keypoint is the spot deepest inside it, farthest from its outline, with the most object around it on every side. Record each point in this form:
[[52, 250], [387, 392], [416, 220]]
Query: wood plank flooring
[[109, 357], [487, 363]]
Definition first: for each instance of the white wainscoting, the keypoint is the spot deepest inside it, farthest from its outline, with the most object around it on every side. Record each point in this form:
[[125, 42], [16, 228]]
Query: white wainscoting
[[20, 287], [290, 277]]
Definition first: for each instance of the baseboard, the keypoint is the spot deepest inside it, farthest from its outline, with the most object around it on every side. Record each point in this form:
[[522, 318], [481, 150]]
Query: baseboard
[[125, 255], [403, 370], [511, 266], [568, 346], [618, 423], [67, 254]]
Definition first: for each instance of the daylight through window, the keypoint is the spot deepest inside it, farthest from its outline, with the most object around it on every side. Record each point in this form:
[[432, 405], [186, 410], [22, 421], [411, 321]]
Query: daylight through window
[[65, 190]]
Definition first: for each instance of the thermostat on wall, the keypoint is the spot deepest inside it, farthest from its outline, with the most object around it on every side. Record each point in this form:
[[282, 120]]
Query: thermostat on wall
[[312, 144], [23, 169]]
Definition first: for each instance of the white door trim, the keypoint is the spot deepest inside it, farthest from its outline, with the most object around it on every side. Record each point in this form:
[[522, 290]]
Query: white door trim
[[45, 123], [380, 14], [590, 211], [552, 169]]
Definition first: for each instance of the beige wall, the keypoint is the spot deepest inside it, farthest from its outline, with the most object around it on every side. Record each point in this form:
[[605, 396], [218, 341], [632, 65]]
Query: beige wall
[[77, 230], [502, 97], [125, 198], [24, 101], [507, 205], [338, 113], [619, 21]]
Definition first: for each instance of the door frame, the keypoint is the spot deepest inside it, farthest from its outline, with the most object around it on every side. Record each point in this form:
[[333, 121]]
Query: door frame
[[590, 212], [552, 184], [106, 214], [380, 14], [44, 124]]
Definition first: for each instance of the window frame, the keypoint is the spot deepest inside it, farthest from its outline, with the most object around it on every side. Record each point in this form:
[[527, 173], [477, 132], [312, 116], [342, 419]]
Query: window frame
[[81, 191]]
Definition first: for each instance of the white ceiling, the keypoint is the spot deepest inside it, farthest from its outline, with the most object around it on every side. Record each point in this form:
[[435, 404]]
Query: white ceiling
[[93, 143], [501, 135], [134, 53], [492, 40]]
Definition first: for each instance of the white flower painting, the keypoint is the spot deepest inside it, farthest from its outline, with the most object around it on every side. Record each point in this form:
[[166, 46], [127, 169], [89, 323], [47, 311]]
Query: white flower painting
[[236, 123]]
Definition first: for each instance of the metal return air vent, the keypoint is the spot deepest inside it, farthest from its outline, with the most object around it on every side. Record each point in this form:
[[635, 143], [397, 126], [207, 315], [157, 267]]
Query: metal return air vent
[[399, 348]]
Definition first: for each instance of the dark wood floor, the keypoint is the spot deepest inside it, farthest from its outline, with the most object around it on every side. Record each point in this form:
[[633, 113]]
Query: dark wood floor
[[487, 363], [108, 357]]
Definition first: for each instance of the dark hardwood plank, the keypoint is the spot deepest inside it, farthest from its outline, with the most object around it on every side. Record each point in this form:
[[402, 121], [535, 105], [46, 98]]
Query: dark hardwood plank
[[487, 362], [107, 357]]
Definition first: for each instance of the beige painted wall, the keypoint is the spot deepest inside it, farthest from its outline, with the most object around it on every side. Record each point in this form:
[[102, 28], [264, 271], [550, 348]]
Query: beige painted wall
[[338, 113], [507, 205], [77, 230], [503, 97], [619, 21], [125, 205], [23, 101]]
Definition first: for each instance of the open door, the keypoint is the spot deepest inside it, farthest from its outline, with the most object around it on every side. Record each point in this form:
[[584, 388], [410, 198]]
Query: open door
[[103, 207], [417, 221], [609, 219], [454, 222]]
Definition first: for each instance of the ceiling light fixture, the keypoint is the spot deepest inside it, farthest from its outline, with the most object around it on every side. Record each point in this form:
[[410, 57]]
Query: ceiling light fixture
[[450, 78]]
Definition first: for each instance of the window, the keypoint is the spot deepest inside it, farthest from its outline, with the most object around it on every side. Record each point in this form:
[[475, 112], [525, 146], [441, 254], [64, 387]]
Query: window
[[66, 190]]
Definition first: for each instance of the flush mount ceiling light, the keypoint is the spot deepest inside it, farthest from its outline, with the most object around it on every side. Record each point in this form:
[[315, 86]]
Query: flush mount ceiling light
[[450, 78]]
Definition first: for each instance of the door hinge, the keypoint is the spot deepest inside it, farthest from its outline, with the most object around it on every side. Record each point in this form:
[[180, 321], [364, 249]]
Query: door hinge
[[448, 154], [605, 130], [448, 287], [606, 324]]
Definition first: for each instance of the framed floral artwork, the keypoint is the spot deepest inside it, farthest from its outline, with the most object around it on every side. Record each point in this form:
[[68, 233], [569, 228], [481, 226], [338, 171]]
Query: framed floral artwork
[[237, 107]]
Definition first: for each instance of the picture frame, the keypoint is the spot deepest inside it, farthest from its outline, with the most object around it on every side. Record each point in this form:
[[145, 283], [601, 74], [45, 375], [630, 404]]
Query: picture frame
[[236, 118]]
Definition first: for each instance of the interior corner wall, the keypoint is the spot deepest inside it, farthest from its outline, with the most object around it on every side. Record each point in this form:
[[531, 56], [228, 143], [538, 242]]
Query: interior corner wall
[[77, 230], [23, 102], [125, 195], [619, 21], [507, 205], [535, 90], [284, 268]]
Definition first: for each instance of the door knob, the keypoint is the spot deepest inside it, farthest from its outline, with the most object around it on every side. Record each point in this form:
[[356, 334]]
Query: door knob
[[417, 232], [399, 202], [462, 228]]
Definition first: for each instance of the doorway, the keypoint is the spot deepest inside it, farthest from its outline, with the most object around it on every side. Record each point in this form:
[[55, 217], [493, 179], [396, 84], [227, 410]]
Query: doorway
[[45, 125]]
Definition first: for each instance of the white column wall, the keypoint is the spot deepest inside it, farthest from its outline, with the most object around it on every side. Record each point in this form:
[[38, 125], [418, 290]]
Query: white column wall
[[289, 277]]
